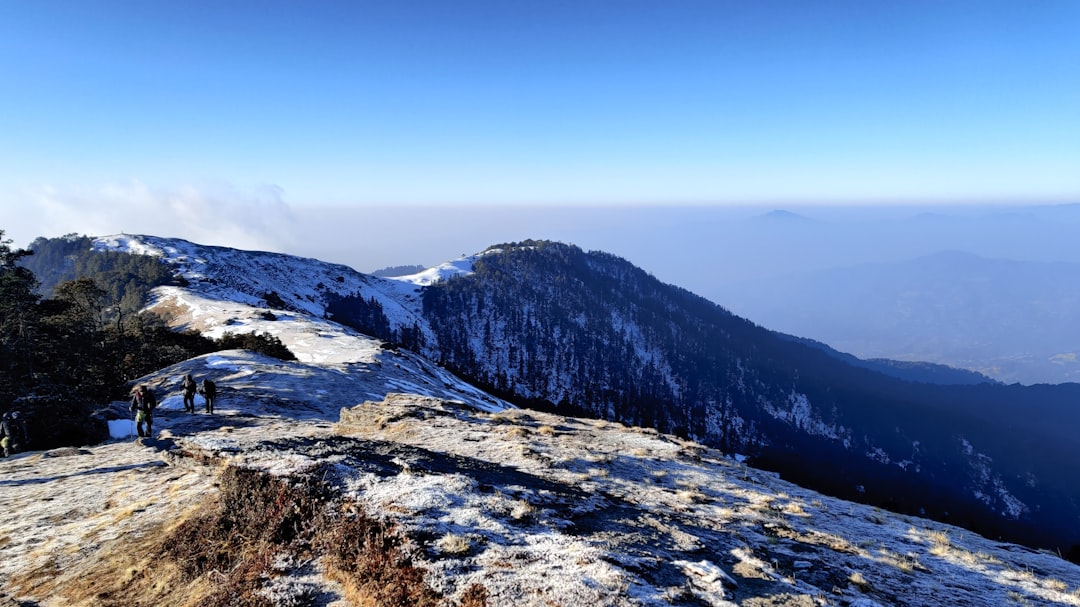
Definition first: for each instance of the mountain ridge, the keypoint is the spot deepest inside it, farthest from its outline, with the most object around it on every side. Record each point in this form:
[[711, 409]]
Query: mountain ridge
[[549, 325], [478, 502]]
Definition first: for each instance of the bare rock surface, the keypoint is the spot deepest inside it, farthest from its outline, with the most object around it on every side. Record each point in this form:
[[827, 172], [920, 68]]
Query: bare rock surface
[[491, 504], [536, 508]]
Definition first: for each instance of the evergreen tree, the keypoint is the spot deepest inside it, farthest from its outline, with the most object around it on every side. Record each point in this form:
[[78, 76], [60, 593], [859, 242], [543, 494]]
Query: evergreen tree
[[19, 322]]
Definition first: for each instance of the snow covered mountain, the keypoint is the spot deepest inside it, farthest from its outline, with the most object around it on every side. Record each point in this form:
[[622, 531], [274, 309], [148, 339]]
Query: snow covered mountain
[[365, 474], [550, 326]]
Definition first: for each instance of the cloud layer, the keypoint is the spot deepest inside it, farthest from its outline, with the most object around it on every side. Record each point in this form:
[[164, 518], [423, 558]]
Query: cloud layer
[[218, 214]]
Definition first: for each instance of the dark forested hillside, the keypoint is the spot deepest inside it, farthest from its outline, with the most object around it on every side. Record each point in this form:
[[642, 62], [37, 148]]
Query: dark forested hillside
[[125, 279], [550, 325], [68, 353]]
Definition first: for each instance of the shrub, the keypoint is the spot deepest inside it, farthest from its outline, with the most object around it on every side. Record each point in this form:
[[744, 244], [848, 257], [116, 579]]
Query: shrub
[[262, 343]]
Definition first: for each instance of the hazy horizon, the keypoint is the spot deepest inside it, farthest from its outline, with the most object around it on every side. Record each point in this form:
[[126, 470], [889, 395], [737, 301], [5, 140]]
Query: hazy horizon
[[135, 116], [690, 246], [385, 134]]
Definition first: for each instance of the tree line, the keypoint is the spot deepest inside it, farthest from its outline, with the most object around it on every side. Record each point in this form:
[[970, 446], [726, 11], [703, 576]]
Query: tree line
[[74, 342], [547, 325]]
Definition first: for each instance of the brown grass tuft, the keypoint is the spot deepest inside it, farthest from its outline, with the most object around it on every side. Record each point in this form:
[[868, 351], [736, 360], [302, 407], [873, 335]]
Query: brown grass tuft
[[367, 560], [224, 554], [474, 596]]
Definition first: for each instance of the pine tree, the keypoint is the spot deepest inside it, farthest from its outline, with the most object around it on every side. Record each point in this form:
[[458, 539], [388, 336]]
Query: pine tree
[[19, 321]]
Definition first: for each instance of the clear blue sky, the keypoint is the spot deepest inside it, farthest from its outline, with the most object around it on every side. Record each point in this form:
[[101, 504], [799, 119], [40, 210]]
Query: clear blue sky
[[503, 101]]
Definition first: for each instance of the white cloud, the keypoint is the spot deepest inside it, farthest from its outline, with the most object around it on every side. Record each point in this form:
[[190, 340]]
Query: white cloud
[[216, 214]]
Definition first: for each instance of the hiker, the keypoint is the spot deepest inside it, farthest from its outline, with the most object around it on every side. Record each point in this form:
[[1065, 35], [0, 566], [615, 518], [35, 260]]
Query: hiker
[[143, 403], [13, 433], [209, 392], [189, 394]]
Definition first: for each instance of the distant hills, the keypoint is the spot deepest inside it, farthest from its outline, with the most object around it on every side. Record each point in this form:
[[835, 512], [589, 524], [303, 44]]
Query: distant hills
[[1013, 321]]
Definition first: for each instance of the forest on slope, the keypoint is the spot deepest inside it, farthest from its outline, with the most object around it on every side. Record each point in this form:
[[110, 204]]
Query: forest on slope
[[550, 326], [75, 340]]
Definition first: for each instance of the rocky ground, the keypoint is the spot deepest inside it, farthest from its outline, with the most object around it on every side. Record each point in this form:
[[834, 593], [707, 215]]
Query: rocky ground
[[535, 508], [359, 454]]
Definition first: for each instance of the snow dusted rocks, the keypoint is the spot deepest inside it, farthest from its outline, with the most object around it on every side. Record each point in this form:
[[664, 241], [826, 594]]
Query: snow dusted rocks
[[537, 509], [626, 516]]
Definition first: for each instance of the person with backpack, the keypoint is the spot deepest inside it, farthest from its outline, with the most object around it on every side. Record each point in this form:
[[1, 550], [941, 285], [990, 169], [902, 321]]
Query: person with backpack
[[13, 435], [209, 392], [143, 403], [189, 394]]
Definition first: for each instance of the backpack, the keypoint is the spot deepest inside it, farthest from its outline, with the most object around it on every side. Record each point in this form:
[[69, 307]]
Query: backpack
[[141, 402], [208, 388], [15, 430]]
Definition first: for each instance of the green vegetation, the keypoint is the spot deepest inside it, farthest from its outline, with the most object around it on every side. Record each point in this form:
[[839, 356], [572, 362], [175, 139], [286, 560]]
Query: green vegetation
[[125, 279], [263, 343], [72, 345]]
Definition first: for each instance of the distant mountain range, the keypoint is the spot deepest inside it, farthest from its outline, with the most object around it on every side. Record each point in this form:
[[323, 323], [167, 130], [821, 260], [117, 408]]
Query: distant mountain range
[[1013, 321], [550, 326]]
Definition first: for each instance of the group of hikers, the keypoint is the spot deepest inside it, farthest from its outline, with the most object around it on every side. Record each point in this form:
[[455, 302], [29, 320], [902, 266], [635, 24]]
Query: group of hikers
[[208, 390], [14, 437], [143, 402]]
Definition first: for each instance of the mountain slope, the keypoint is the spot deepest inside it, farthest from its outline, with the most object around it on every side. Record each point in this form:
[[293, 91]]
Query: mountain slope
[[552, 326], [516, 507]]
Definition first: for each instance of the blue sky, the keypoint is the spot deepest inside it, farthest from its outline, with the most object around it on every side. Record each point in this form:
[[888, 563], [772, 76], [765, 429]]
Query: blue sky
[[286, 105]]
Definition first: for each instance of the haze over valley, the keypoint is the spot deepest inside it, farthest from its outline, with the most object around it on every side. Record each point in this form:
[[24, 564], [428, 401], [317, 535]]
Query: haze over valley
[[605, 303]]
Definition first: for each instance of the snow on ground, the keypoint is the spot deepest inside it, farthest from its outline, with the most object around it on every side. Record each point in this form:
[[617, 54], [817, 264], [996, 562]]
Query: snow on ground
[[250, 277], [540, 509], [458, 267], [322, 344], [311, 339], [626, 516], [537, 508]]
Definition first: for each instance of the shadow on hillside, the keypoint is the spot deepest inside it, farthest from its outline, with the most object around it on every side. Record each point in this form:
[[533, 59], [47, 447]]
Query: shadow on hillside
[[180, 423], [385, 459], [108, 470], [777, 549]]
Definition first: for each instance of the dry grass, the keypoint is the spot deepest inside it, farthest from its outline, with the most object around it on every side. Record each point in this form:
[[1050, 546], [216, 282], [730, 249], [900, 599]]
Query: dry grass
[[693, 496], [856, 579], [511, 415], [222, 553], [516, 432], [795, 509], [454, 544], [522, 510], [1057, 585], [600, 458], [939, 542], [941, 546], [546, 430], [474, 596], [877, 517], [907, 563]]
